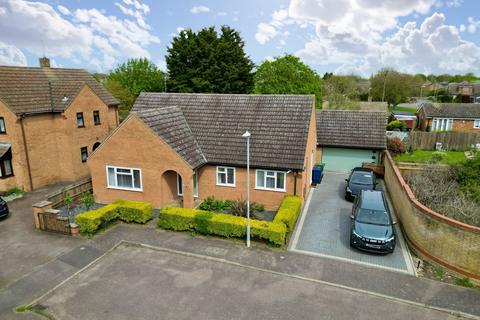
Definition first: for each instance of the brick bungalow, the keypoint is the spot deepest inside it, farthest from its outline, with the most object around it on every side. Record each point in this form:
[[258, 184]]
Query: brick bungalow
[[463, 117], [181, 148], [50, 120]]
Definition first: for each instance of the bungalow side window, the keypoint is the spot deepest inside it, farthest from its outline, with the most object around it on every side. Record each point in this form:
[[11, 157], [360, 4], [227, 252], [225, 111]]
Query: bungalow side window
[[124, 178], [80, 123], [96, 117], [270, 180], [476, 124], [442, 124], [2, 125], [226, 176]]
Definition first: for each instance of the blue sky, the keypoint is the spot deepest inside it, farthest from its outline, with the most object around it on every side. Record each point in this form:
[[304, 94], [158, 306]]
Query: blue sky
[[342, 36]]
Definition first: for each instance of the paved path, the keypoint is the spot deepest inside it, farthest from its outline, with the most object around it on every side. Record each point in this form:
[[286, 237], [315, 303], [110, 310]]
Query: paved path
[[324, 229], [346, 276]]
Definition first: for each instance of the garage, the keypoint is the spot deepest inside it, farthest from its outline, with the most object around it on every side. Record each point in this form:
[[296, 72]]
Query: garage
[[346, 139], [344, 159]]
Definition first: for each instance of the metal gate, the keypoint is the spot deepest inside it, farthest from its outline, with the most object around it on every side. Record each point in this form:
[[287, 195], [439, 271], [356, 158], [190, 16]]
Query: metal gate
[[51, 221]]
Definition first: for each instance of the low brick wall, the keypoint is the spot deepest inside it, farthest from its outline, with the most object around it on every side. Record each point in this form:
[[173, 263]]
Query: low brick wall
[[442, 240]]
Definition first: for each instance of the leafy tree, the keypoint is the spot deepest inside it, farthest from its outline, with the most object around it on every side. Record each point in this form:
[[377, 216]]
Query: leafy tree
[[288, 75], [394, 87], [131, 78], [341, 92], [209, 62]]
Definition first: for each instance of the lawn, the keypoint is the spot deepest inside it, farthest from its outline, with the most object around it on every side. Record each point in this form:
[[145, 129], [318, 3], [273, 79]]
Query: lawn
[[425, 156], [400, 108]]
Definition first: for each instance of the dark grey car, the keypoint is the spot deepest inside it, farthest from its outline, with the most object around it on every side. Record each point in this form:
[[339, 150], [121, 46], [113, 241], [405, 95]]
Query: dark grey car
[[372, 224], [359, 179]]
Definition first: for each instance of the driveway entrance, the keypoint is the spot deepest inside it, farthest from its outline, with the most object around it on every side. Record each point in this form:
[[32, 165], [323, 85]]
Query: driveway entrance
[[324, 229]]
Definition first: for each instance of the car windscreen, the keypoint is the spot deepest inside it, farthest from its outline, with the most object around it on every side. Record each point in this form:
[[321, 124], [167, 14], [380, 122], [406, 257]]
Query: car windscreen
[[373, 217], [361, 178]]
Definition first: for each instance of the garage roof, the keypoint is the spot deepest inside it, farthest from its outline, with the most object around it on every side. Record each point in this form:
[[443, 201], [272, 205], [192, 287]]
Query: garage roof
[[354, 129]]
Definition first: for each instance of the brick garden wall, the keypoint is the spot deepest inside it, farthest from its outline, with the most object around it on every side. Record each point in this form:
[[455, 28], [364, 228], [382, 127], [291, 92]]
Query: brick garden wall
[[442, 240]]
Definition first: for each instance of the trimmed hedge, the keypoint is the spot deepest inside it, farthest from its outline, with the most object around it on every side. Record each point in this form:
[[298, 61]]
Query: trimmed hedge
[[289, 211], [129, 211], [206, 222], [134, 211]]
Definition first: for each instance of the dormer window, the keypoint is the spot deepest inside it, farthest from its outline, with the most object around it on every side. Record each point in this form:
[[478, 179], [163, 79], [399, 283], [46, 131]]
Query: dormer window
[[80, 122]]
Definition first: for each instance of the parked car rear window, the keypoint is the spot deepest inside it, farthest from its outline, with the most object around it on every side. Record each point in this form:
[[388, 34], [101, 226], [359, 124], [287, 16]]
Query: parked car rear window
[[361, 178], [373, 217]]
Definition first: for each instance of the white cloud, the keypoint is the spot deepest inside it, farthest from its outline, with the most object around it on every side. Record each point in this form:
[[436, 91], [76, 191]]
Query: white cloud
[[221, 14], [462, 28], [11, 56], [265, 32], [64, 10], [88, 36], [473, 25], [199, 9], [162, 65]]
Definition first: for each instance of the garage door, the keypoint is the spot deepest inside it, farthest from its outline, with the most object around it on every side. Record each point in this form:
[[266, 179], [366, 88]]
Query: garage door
[[345, 159]]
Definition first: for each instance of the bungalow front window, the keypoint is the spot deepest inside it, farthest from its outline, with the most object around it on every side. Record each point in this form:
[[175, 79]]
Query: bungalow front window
[[124, 178], [476, 124], [226, 176], [442, 124], [270, 180]]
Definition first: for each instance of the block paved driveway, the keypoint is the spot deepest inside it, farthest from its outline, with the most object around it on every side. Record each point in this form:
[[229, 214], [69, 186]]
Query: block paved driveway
[[324, 229]]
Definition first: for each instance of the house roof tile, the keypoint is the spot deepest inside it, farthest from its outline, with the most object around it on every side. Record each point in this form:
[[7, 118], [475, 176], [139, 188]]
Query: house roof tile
[[355, 129], [278, 125], [452, 110], [41, 90]]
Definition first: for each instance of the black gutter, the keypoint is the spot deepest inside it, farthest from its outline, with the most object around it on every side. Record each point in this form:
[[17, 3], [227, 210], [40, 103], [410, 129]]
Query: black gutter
[[26, 152]]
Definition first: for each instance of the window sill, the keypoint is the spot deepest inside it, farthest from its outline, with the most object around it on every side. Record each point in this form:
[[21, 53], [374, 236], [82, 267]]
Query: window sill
[[3, 132], [273, 190], [226, 185], [80, 126], [125, 189], [5, 177], [97, 124]]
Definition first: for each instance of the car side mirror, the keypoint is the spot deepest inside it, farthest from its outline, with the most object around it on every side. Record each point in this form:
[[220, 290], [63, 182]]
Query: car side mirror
[[394, 222], [352, 217]]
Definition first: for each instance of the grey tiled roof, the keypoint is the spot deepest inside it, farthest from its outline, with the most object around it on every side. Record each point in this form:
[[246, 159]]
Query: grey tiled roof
[[169, 124], [40, 90], [452, 110], [278, 125], [355, 129]]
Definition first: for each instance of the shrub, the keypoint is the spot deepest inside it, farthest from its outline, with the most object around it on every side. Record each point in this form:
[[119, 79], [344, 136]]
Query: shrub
[[210, 204], [438, 156], [134, 211], [88, 222], [87, 200], [225, 225], [239, 208], [14, 190], [396, 125], [395, 146], [289, 211]]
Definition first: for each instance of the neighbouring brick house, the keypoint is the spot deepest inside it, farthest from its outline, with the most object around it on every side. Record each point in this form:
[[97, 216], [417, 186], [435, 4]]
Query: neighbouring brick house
[[449, 117], [182, 148], [50, 120]]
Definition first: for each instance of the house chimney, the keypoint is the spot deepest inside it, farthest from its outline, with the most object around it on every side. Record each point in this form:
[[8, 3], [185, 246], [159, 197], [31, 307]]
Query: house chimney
[[44, 62]]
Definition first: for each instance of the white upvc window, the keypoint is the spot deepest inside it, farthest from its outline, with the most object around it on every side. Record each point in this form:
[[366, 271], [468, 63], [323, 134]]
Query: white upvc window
[[179, 185], [124, 178], [226, 176], [442, 124], [476, 124], [270, 180]]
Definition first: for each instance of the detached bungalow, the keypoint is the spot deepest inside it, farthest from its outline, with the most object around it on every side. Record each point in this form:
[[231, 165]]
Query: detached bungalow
[[181, 148], [450, 117]]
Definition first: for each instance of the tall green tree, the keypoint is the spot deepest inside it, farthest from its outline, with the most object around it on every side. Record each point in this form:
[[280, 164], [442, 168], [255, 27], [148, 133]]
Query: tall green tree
[[206, 61], [131, 78], [288, 75], [394, 87], [342, 92]]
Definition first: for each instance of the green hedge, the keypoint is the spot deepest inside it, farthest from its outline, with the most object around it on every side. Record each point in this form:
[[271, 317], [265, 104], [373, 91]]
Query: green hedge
[[289, 211], [129, 211], [134, 211], [206, 222]]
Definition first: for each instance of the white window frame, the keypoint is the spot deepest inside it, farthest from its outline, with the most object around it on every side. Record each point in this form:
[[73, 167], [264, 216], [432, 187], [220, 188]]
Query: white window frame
[[275, 184], [226, 184], [179, 185], [476, 124], [195, 185], [442, 124], [116, 182]]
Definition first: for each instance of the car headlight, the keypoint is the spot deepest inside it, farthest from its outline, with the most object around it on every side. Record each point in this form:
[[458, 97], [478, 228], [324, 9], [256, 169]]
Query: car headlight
[[349, 190], [356, 234], [390, 239]]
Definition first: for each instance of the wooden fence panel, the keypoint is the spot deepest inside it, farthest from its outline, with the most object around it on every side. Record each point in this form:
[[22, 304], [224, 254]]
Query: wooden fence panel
[[76, 190], [449, 140]]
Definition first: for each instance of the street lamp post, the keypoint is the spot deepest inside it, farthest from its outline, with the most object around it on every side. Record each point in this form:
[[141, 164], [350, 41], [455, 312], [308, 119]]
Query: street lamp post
[[247, 136]]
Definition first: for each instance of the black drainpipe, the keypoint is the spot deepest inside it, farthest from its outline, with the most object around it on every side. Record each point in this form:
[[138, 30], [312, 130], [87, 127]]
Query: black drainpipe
[[26, 152], [295, 183]]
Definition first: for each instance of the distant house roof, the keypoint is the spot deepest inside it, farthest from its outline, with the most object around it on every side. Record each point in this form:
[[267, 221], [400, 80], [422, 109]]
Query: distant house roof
[[403, 113], [215, 123], [355, 129], [452, 110], [41, 90]]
